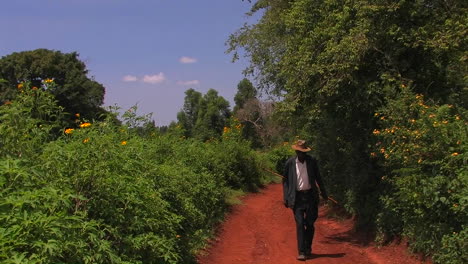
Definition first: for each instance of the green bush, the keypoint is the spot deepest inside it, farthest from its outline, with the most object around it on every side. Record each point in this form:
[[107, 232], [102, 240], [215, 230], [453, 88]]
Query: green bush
[[101, 192], [423, 147]]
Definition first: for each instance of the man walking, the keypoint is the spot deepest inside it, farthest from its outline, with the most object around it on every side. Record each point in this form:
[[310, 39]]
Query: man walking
[[301, 177]]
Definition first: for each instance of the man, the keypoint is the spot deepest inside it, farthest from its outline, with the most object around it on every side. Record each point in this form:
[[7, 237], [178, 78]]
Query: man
[[301, 177]]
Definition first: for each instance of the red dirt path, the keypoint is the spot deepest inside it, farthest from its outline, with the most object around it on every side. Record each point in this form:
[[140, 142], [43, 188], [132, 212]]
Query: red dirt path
[[262, 230]]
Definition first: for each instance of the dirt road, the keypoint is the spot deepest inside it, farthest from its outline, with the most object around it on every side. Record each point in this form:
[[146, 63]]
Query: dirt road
[[262, 230]]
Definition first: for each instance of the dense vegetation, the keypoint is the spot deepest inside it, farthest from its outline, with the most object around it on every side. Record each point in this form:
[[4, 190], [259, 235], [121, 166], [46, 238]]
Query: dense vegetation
[[379, 88], [75, 91], [100, 192]]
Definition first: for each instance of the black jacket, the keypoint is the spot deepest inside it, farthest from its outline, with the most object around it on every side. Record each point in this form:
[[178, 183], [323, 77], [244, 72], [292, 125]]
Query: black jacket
[[290, 180]]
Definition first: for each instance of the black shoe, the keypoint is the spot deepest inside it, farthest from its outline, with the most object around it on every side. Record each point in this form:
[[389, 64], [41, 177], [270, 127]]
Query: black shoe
[[301, 257], [308, 255]]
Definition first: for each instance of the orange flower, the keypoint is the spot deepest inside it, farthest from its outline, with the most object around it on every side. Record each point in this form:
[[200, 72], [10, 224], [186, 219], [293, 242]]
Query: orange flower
[[123, 143], [68, 131], [20, 86], [85, 125], [454, 154], [86, 140], [376, 132], [77, 114], [34, 88]]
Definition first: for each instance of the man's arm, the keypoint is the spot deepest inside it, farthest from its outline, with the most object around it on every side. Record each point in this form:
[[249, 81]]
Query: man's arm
[[318, 179], [285, 183]]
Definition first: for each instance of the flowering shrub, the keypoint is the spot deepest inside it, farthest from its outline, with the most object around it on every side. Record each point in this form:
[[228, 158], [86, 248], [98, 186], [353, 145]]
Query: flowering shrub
[[423, 146], [107, 193]]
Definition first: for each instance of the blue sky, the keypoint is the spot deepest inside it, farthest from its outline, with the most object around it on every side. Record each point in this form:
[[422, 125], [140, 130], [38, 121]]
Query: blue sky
[[145, 52]]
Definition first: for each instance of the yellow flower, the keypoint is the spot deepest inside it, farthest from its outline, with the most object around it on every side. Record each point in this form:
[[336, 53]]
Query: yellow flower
[[382, 118], [376, 114], [457, 117], [20, 86], [445, 122], [431, 115], [403, 85], [376, 132], [382, 150], [412, 120], [69, 131], [372, 154], [48, 80], [85, 125], [420, 160], [86, 140], [123, 143], [454, 154]]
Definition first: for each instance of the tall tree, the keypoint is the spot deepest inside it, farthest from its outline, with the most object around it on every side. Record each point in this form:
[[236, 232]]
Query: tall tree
[[187, 117], [75, 91], [204, 116], [212, 117], [336, 63], [245, 92]]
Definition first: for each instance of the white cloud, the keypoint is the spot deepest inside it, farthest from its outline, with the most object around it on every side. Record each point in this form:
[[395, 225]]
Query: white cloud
[[154, 79], [186, 60], [130, 78], [192, 82]]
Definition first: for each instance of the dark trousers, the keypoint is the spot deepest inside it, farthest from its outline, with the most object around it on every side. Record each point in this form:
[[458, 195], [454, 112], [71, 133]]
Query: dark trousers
[[305, 213]]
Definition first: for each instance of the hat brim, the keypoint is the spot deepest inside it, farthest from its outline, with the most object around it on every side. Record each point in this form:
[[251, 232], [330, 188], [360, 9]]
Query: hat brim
[[295, 147]]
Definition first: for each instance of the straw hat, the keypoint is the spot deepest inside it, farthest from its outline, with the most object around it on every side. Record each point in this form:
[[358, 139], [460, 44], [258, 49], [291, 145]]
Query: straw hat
[[301, 146]]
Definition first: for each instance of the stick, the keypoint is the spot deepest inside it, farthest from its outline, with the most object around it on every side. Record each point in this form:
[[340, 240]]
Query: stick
[[279, 175]]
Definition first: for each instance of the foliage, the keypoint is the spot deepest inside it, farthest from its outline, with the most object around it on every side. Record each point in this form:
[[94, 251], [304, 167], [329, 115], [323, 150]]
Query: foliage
[[424, 148], [105, 192], [245, 92], [337, 63], [29, 121], [203, 116], [75, 91]]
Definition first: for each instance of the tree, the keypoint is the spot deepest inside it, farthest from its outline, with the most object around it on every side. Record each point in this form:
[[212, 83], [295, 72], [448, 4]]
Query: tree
[[260, 124], [245, 92], [337, 63], [75, 91], [203, 116], [187, 118]]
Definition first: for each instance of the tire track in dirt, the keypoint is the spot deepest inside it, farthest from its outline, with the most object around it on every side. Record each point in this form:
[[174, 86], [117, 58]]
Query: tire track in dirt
[[262, 231]]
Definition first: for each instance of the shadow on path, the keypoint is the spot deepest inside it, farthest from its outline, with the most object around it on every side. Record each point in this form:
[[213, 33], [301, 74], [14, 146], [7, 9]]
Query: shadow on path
[[337, 255]]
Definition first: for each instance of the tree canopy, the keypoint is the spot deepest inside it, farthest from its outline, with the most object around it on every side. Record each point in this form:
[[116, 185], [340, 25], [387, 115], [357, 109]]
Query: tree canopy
[[204, 116], [74, 90], [338, 64]]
